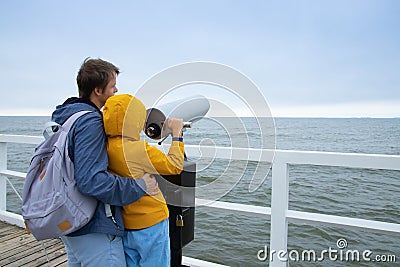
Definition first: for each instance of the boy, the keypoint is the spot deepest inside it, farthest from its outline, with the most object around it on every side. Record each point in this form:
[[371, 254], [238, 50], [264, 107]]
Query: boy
[[146, 238]]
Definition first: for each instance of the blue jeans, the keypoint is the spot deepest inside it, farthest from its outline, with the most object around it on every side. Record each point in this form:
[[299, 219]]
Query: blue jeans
[[148, 247], [97, 250]]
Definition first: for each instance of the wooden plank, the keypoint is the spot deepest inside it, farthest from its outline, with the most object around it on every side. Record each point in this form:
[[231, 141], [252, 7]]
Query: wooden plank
[[25, 252], [5, 227], [20, 249], [39, 259], [24, 240], [12, 234]]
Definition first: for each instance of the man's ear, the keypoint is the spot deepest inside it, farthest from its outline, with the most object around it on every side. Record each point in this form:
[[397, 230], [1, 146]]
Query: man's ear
[[97, 91]]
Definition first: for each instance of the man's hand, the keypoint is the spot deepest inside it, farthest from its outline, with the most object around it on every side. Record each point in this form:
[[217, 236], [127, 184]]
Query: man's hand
[[151, 184]]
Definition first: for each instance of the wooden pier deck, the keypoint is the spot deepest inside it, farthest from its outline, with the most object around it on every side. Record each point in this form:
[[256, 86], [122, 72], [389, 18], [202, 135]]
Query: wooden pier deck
[[17, 248]]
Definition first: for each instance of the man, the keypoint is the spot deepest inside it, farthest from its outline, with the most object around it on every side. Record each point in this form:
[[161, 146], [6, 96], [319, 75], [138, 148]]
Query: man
[[99, 243]]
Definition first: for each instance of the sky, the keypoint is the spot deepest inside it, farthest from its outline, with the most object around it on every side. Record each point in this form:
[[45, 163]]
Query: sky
[[308, 58]]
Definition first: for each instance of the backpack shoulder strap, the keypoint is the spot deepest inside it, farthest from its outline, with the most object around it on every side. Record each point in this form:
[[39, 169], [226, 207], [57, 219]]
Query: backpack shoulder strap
[[68, 123], [52, 127]]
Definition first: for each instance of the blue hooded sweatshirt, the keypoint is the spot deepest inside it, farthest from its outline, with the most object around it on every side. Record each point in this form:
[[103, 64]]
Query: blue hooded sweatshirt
[[87, 150]]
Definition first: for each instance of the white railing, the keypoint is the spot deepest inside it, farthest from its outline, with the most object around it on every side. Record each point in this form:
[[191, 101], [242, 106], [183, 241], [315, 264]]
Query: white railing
[[278, 213]]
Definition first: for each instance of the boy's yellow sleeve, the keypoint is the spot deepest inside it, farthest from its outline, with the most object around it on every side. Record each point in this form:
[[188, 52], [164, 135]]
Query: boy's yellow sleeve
[[167, 164]]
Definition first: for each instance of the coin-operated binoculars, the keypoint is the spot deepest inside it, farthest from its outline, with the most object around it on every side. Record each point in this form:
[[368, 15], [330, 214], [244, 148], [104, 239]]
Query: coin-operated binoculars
[[190, 109], [178, 190]]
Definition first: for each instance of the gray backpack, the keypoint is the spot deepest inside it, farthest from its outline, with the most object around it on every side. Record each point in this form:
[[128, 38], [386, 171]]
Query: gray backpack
[[52, 206]]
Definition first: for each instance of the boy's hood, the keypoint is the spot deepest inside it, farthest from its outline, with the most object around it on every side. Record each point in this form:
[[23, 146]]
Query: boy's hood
[[124, 115]]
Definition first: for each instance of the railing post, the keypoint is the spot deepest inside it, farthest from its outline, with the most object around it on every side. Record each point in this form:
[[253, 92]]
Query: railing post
[[279, 222], [3, 182]]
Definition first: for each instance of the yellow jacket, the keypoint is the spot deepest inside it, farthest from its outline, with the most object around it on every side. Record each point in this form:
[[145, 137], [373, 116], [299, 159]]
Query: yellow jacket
[[124, 117]]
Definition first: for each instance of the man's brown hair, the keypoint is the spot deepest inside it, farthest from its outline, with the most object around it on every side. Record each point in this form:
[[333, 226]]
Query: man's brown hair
[[94, 73]]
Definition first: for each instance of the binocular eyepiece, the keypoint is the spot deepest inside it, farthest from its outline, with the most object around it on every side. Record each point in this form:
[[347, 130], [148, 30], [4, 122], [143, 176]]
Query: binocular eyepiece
[[153, 130]]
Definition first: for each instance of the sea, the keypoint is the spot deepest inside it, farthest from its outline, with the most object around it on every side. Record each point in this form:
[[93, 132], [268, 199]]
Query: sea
[[237, 239]]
